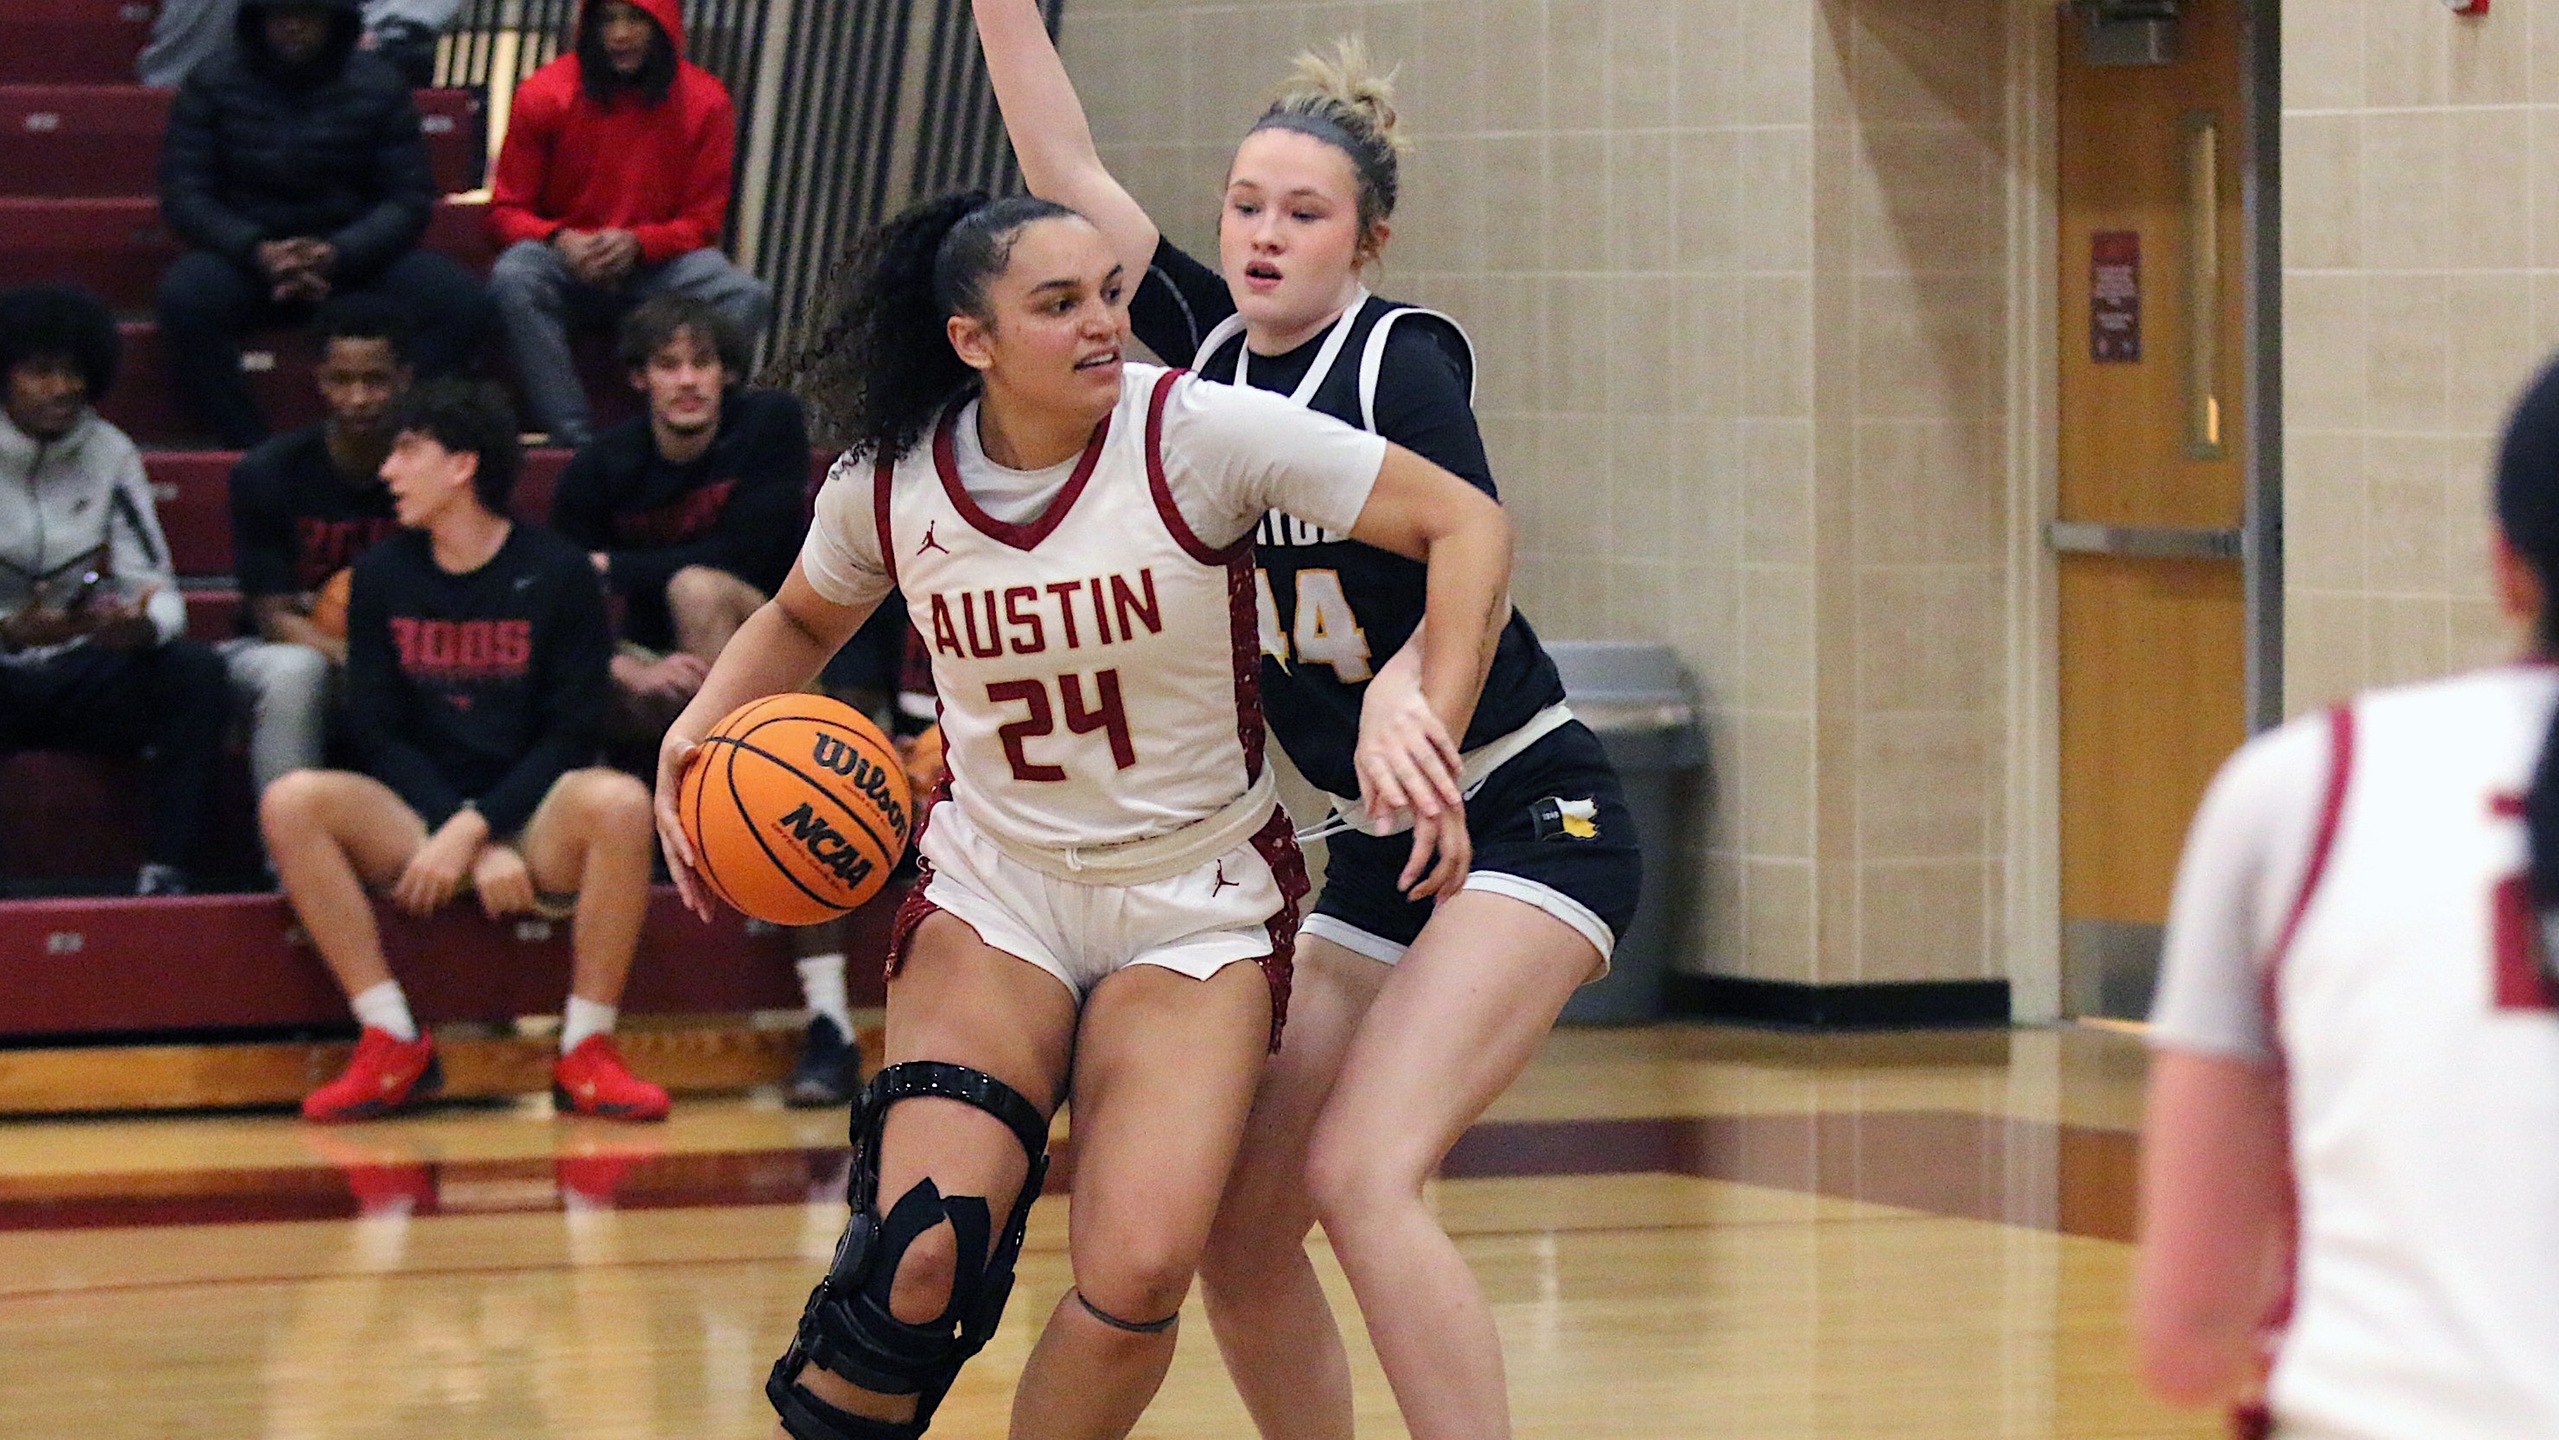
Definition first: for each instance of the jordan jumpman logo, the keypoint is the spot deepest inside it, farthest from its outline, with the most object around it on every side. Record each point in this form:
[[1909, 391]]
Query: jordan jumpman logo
[[930, 543], [1222, 881]]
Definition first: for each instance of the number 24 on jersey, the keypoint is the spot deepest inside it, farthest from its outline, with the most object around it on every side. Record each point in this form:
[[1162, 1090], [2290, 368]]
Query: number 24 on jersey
[[1326, 632]]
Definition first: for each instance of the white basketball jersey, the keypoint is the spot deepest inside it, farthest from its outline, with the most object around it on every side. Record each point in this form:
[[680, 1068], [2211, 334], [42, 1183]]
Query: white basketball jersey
[[2423, 1060], [1097, 665]]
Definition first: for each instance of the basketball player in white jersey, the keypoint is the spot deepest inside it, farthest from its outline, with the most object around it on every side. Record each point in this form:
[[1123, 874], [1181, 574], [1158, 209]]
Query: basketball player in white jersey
[[1109, 892], [1412, 1015], [2350, 1189]]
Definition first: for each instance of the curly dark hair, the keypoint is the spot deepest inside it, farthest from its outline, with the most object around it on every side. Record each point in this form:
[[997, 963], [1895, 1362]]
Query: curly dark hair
[[61, 322], [882, 369], [467, 417]]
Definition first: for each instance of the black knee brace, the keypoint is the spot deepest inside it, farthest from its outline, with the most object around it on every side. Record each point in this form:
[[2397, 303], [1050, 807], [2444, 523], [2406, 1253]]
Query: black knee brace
[[848, 1329]]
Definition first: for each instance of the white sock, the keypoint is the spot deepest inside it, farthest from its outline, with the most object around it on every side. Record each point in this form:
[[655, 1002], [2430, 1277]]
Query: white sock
[[822, 983], [385, 1007], [585, 1017]]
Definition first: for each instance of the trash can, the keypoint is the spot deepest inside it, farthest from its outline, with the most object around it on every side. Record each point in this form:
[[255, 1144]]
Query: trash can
[[1638, 700]]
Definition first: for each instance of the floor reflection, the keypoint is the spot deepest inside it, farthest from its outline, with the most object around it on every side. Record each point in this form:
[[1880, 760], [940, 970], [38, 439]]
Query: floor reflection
[[1681, 1232]]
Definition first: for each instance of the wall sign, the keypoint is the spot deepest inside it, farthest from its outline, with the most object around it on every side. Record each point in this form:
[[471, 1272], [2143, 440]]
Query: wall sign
[[2114, 297]]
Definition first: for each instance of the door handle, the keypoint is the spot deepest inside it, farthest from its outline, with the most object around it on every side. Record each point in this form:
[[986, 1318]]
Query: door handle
[[2144, 542]]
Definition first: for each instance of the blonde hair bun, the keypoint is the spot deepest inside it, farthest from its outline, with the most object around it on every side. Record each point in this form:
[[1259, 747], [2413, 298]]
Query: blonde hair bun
[[1346, 88], [1341, 100]]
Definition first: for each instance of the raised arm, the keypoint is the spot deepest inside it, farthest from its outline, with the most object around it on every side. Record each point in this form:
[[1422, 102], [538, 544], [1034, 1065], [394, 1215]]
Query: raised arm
[[1050, 135]]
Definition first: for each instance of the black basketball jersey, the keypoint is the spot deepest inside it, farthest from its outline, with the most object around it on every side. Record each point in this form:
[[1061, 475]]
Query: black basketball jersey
[[1333, 610]]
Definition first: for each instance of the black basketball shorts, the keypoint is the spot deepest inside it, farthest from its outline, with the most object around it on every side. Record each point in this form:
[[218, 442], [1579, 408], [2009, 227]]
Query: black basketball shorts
[[1550, 828]]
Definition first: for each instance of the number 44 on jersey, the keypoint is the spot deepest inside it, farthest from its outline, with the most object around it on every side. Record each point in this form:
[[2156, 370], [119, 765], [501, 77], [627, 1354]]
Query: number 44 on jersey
[[1325, 633]]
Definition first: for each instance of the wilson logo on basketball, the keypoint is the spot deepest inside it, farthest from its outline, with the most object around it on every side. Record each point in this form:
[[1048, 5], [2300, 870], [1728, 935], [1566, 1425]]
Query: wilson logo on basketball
[[826, 845], [796, 807], [838, 755]]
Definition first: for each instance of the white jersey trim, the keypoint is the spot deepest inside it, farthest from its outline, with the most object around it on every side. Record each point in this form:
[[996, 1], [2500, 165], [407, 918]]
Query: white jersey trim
[[1372, 360]]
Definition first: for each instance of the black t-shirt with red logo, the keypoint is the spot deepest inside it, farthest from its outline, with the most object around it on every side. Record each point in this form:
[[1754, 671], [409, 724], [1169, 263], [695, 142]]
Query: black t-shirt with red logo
[[738, 508], [296, 519], [486, 686]]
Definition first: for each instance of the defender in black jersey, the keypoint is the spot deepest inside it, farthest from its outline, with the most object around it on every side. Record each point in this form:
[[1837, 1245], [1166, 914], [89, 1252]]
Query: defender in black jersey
[[1334, 611], [475, 683], [1482, 966]]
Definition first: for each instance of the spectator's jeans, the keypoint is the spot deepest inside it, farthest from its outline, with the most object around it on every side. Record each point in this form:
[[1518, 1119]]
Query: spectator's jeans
[[538, 300], [283, 690], [170, 702], [207, 303]]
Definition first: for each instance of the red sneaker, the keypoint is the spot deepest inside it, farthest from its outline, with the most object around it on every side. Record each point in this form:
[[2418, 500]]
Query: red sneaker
[[387, 1074], [592, 1080]]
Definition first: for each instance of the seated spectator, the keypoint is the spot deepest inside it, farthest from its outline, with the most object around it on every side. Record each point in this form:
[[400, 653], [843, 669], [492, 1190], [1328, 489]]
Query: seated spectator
[[693, 515], [612, 187], [295, 169], [475, 680], [303, 506], [186, 33], [93, 649]]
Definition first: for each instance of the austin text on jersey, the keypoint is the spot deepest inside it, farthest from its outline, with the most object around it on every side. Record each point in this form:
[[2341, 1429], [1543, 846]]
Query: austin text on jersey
[[1030, 620]]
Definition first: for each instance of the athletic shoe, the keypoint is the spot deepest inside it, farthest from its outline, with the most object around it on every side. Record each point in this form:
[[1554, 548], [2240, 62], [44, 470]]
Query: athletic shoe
[[830, 1069], [387, 1074], [592, 1080]]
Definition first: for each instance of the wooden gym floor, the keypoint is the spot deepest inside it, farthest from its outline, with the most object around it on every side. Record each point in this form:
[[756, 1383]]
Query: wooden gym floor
[[1686, 1231]]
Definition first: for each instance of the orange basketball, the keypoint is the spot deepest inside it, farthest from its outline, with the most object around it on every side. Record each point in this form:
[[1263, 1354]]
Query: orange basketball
[[329, 607], [797, 808]]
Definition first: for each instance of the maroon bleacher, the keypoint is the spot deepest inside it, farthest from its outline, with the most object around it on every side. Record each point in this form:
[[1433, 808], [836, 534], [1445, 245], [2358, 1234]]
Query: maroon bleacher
[[80, 818], [71, 141], [193, 491], [72, 41], [73, 967], [213, 612], [120, 246], [144, 403], [79, 159]]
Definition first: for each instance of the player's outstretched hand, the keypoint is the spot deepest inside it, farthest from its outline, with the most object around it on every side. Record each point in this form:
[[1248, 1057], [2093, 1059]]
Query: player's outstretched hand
[[1406, 759], [1443, 852], [504, 885], [674, 758]]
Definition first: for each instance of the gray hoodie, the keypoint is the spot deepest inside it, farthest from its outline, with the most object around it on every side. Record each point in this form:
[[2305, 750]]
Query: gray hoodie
[[62, 502], [189, 32]]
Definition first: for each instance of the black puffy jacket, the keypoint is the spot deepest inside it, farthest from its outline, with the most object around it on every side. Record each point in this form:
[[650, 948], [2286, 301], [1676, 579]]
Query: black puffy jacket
[[330, 150]]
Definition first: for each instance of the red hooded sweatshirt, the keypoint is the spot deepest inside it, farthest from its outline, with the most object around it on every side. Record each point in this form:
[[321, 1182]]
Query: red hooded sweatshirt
[[659, 171]]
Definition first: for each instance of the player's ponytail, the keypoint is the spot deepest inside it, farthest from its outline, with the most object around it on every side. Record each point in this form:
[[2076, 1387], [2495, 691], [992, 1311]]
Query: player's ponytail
[[2528, 515], [1343, 101], [882, 369]]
